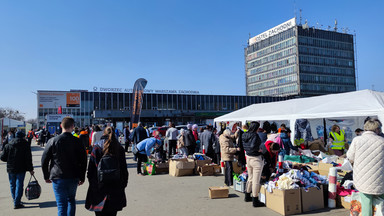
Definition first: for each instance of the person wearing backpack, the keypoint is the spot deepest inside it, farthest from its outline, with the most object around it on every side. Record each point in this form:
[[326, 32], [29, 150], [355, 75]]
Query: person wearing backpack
[[107, 176]]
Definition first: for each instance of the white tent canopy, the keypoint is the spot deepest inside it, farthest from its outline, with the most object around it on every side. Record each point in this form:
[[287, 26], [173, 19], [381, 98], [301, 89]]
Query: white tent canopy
[[350, 104]]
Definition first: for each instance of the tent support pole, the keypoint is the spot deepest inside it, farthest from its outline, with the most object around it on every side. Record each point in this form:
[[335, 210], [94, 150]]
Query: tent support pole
[[325, 132]]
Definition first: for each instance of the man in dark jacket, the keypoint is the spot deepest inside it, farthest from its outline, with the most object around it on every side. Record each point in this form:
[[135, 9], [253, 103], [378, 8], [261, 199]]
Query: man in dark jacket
[[64, 163], [189, 140], [207, 139], [127, 134], [18, 156], [139, 134]]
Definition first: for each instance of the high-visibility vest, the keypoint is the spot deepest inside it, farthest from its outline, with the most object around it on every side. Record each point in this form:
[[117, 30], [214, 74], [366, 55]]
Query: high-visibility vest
[[338, 143]]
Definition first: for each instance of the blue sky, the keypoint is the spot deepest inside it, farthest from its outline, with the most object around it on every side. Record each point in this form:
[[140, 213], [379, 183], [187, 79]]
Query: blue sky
[[174, 44]]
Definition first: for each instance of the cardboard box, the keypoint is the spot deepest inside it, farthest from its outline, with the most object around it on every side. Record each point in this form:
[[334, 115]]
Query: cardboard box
[[262, 194], [324, 168], [236, 168], [312, 199], [216, 169], [162, 165], [181, 167], [343, 202], [162, 168], [218, 192], [285, 202], [200, 163], [206, 170], [239, 185]]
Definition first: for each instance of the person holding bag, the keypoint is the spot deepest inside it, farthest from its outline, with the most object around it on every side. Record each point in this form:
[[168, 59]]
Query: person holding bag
[[17, 154], [106, 191], [143, 150]]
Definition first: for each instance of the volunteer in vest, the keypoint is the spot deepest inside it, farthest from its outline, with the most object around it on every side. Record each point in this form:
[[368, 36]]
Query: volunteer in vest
[[106, 199], [337, 140], [30, 136]]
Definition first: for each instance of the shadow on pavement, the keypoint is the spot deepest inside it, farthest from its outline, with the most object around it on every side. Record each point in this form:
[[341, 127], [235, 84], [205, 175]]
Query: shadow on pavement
[[41, 205], [319, 211], [233, 195], [36, 148], [49, 204], [132, 165]]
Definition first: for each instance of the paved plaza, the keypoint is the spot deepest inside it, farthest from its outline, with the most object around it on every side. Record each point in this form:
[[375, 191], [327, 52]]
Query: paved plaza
[[160, 195]]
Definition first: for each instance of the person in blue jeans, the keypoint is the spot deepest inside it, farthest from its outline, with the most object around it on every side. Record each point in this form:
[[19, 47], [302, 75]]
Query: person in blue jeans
[[18, 156], [64, 164]]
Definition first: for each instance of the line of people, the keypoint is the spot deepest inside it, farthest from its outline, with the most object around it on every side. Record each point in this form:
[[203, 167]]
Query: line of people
[[64, 165]]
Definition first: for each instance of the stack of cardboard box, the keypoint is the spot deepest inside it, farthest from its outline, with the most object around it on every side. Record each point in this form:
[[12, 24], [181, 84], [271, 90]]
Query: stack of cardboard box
[[181, 167]]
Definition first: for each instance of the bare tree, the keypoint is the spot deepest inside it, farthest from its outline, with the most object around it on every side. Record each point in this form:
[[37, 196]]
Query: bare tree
[[11, 113], [31, 121]]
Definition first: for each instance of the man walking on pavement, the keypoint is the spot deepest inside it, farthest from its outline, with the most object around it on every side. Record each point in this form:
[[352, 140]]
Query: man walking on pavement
[[18, 156], [64, 163], [30, 136], [138, 135], [127, 134], [172, 134]]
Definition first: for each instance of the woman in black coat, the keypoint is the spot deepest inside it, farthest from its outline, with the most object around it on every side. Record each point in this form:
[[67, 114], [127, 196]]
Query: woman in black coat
[[106, 199]]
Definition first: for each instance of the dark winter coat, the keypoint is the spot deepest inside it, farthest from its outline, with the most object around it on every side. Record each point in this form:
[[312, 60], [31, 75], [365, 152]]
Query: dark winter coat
[[189, 139], [115, 195], [207, 139], [17, 154], [64, 157], [251, 142], [287, 143], [84, 139], [139, 134], [241, 153]]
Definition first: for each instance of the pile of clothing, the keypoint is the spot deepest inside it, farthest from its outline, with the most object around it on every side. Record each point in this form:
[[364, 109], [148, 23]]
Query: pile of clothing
[[200, 157], [241, 177], [179, 156], [295, 178]]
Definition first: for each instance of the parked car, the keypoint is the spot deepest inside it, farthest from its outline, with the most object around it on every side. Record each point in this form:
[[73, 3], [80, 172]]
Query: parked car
[[179, 127]]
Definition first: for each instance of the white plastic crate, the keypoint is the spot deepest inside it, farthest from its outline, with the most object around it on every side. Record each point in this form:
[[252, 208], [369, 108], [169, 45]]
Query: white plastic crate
[[239, 185]]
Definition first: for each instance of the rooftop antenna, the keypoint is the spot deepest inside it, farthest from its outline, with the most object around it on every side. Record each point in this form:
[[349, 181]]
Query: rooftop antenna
[[294, 8], [305, 26], [317, 25], [335, 25], [300, 16]]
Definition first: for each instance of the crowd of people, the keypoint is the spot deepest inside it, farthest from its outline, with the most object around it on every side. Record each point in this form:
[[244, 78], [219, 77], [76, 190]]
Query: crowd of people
[[64, 161]]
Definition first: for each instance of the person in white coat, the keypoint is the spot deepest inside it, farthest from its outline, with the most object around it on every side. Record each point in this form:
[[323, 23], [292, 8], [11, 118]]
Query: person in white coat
[[367, 155]]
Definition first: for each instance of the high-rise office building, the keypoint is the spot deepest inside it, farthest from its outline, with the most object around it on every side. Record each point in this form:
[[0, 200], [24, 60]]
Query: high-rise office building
[[292, 59]]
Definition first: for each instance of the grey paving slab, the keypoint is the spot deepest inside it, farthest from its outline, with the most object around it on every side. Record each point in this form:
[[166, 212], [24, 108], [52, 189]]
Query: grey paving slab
[[160, 195]]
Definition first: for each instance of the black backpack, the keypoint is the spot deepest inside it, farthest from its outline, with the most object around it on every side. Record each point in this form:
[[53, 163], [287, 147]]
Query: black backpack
[[108, 170]]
